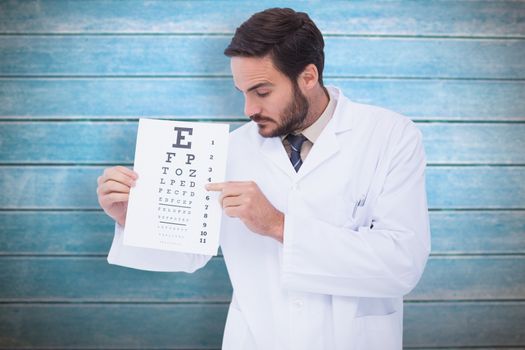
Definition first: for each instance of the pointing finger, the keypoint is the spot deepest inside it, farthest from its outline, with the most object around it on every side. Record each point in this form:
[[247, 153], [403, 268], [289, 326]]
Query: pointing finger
[[215, 186]]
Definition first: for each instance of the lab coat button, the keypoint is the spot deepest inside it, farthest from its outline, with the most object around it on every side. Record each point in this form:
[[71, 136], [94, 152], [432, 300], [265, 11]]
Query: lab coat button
[[295, 187]]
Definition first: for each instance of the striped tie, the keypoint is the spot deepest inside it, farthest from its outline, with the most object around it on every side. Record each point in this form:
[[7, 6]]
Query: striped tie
[[296, 142]]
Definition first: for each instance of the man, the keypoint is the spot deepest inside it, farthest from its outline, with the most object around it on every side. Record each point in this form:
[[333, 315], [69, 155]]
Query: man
[[326, 222]]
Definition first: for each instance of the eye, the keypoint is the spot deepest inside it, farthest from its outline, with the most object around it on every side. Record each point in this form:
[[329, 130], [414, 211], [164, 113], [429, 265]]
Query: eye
[[262, 94]]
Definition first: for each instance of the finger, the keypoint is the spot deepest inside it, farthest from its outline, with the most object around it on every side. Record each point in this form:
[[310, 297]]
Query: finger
[[231, 202], [115, 197], [113, 186], [235, 188], [215, 186], [233, 212], [120, 170], [228, 192], [114, 175], [232, 185], [134, 175]]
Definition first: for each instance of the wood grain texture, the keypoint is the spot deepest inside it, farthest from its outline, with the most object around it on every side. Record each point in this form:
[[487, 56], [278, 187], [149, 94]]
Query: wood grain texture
[[216, 98], [91, 279], [448, 187], [196, 55], [487, 324], [468, 143], [471, 278], [483, 187], [114, 142], [469, 347], [437, 324], [478, 232], [70, 233], [442, 18], [120, 326], [90, 233], [76, 75]]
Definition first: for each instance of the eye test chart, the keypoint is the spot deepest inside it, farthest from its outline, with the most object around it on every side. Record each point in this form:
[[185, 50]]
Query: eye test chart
[[169, 207]]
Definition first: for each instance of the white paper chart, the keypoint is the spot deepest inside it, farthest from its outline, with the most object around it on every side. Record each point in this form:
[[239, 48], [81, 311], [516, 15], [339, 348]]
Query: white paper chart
[[169, 208]]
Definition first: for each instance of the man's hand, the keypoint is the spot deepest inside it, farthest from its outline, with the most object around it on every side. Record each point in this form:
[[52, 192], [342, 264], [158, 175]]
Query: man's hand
[[113, 191], [244, 200]]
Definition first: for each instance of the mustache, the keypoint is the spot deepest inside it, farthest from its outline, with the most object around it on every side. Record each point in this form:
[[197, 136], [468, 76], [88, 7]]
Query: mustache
[[259, 118]]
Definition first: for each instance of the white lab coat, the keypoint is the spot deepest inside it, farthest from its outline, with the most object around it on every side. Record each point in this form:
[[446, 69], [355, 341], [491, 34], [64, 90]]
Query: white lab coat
[[356, 236]]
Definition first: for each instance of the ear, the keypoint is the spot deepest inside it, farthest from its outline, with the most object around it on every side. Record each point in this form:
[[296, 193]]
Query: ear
[[309, 77]]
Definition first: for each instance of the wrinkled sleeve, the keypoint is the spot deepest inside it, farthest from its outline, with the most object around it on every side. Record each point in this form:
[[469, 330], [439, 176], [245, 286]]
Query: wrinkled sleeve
[[152, 259], [385, 258]]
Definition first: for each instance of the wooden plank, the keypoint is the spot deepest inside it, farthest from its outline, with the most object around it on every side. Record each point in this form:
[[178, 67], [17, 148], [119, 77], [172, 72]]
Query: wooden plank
[[471, 18], [81, 233], [63, 142], [218, 99], [85, 142], [198, 55], [55, 232], [448, 187], [469, 143], [481, 187], [472, 278], [194, 326], [483, 324], [478, 232], [480, 324], [45, 279], [114, 142], [92, 279]]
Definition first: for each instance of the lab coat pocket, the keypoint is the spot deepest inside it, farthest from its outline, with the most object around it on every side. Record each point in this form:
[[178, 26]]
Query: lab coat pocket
[[375, 307], [380, 324], [358, 214], [380, 332], [236, 331]]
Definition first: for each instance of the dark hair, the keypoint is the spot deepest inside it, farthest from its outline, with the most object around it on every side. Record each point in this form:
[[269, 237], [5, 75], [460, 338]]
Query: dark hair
[[291, 38]]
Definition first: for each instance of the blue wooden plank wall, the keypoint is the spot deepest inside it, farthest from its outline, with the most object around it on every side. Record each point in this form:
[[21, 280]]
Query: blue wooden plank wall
[[75, 76]]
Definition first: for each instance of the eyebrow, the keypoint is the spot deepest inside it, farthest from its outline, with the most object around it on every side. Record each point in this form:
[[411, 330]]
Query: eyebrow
[[256, 86]]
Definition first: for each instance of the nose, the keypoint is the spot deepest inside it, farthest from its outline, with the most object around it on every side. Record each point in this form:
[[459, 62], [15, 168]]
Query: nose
[[251, 107]]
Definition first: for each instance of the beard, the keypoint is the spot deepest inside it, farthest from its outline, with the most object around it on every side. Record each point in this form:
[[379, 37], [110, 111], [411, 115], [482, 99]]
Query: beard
[[292, 119]]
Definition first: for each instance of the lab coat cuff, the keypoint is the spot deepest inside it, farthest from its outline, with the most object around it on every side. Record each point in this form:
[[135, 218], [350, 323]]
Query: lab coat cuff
[[116, 244], [152, 259]]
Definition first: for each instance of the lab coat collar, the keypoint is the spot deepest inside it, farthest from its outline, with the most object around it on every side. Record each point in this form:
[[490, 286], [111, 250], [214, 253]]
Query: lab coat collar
[[273, 149], [343, 117], [325, 147]]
